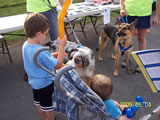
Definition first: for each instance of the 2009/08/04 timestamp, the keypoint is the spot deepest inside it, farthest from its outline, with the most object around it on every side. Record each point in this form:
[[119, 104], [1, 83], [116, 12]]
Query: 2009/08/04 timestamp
[[136, 104]]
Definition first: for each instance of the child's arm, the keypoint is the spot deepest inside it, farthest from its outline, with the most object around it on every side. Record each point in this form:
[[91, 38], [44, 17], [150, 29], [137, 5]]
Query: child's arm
[[122, 117], [156, 18], [61, 52], [158, 113], [118, 105], [122, 8]]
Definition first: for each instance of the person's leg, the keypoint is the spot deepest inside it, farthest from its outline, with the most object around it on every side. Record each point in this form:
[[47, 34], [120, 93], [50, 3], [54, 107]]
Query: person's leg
[[53, 21], [46, 101], [142, 26], [49, 115], [142, 33], [45, 115], [36, 97], [41, 113]]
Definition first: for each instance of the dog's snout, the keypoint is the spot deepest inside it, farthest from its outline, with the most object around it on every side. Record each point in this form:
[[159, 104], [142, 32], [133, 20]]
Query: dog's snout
[[120, 34]]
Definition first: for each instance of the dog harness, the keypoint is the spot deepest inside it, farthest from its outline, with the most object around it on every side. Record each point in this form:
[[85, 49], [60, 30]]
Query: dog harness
[[123, 50]]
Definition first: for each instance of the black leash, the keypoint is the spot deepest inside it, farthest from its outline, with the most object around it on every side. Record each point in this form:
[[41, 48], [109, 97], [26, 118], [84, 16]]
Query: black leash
[[52, 7]]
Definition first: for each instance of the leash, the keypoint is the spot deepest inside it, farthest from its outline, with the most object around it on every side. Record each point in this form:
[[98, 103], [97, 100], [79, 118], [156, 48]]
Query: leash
[[77, 40], [131, 70], [122, 18]]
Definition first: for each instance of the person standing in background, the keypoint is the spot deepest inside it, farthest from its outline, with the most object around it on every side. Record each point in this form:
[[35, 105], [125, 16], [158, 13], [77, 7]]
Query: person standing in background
[[142, 10], [48, 9]]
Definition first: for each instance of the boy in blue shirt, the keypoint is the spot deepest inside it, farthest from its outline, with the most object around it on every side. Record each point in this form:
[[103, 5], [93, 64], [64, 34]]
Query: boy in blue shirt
[[36, 27], [102, 86]]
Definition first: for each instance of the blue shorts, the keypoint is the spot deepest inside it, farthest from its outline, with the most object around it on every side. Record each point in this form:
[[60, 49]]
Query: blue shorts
[[143, 21]]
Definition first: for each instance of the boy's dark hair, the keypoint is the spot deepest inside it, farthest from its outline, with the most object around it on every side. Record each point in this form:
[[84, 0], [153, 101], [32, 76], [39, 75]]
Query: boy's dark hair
[[35, 22], [102, 85]]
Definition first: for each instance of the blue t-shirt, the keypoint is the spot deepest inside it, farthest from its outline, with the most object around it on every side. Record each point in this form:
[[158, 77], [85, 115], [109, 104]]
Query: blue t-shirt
[[112, 109], [37, 77]]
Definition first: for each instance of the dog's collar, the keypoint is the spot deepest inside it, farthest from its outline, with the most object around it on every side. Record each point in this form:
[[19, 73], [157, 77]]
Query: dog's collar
[[123, 50]]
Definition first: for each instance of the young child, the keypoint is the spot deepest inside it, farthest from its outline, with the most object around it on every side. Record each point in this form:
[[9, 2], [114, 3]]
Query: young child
[[102, 86], [36, 27]]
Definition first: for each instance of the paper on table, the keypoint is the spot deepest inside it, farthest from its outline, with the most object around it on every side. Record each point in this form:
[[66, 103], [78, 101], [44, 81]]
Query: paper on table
[[106, 16]]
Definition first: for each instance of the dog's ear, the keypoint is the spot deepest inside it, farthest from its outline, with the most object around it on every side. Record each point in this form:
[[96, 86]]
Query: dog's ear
[[86, 61], [70, 52], [118, 22], [133, 24]]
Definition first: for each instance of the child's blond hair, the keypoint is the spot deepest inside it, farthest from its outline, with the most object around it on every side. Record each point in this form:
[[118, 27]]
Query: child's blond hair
[[102, 85]]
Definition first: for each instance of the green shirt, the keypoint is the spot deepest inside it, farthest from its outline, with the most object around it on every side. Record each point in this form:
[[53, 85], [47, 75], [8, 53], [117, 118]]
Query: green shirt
[[138, 7], [39, 5]]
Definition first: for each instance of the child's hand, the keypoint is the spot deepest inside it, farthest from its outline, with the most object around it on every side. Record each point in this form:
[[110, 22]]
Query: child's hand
[[55, 54], [62, 42], [118, 105]]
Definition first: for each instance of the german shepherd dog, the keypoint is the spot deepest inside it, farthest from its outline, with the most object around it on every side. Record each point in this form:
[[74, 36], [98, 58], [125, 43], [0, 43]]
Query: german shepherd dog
[[121, 38]]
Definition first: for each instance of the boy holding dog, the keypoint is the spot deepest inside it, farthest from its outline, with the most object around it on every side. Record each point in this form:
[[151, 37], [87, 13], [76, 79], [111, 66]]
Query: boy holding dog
[[102, 86], [36, 27]]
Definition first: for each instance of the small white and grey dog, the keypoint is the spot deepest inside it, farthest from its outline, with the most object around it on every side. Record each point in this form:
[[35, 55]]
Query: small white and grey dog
[[84, 61], [81, 57]]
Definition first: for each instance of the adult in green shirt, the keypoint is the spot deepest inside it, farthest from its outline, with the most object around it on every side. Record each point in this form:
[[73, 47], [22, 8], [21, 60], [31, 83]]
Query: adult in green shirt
[[48, 9], [141, 10]]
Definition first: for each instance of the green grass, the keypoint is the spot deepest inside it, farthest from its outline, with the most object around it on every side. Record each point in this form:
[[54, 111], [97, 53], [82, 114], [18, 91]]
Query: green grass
[[13, 10], [13, 7], [6, 3]]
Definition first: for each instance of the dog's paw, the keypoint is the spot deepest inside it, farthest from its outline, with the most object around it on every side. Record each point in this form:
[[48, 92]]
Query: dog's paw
[[124, 65], [115, 73], [113, 57], [100, 59], [130, 71]]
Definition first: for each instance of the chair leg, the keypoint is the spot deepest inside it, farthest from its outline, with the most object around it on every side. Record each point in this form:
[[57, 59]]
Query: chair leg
[[94, 24], [84, 23], [5, 43], [2, 47], [67, 33], [83, 30]]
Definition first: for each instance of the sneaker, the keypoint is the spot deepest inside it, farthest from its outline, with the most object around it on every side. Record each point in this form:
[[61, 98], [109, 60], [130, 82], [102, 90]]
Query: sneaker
[[25, 77]]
